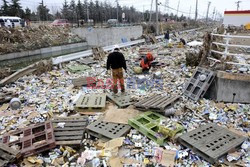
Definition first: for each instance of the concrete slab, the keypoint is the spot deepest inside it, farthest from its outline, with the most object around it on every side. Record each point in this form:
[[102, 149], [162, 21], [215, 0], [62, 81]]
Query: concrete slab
[[228, 87]]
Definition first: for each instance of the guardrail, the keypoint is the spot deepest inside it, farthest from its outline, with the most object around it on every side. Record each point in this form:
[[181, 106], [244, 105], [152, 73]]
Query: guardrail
[[226, 52], [65, 58], [228, 37]]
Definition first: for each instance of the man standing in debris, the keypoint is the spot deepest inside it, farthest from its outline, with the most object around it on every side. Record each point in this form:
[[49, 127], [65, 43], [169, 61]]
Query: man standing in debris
[[117, 61], [146, 62], [166, 37]]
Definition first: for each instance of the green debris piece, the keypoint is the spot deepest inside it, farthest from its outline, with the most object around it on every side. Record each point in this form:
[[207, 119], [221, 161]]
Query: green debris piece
[[171, 132], [78, 68]]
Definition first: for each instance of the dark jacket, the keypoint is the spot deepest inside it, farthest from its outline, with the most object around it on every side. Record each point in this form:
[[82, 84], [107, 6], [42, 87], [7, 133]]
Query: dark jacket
[[166, 36], [116, 60]]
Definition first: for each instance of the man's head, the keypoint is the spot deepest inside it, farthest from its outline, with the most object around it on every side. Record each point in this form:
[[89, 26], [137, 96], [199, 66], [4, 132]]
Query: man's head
[[116, 48], [150, 56]]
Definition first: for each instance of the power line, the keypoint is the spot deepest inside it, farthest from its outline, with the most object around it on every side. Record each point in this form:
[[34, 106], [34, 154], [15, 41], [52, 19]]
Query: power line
[[176, 9]]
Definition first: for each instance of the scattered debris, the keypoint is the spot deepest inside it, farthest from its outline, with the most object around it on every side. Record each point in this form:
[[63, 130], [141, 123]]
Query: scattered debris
[[121, 115], [37, 68], [8, 155], [15, 103], [98, 53], [57, 95], [31, 38], [84, 81]]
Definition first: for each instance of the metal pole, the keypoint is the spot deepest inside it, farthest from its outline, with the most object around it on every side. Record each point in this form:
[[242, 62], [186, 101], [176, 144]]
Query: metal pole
[[209, 3], [87, 13], [238, 4], [226, 47], [177, 10], [190, 12], [157, 21], [150, 17], [213, 13], [196, 10], [117, 13]]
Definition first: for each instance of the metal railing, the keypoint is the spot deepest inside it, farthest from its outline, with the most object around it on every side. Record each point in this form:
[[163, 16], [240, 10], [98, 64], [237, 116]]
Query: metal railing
[[228, 37]]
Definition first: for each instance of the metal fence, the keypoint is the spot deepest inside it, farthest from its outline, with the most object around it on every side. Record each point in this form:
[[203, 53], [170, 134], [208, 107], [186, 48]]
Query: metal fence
[[227, 45]]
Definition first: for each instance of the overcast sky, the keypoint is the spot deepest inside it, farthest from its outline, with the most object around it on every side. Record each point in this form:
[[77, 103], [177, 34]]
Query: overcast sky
[[185, 5]]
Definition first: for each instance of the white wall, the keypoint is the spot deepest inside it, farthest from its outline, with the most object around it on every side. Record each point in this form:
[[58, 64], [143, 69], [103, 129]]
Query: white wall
[[108, 36], [236, 20]]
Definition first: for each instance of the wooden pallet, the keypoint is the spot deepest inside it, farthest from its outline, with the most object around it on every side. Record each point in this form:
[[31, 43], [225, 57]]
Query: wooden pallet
[[122, 100], [33, 139], [73, 130], [156, 103], [8, 155], [211, 142], [91, 103]]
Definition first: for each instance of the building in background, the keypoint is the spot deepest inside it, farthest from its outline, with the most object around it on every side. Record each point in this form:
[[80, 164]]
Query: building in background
[[236, 18]]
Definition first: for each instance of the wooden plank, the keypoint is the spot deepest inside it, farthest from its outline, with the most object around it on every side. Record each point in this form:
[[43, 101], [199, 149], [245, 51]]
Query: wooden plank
[[70, 129], [66, 121], [68, 138], [20, 73], [145, 100], [74, 124], [8, 149], [141, 102], [6, 156], [158, 101], [69, 133], [71, 142], [169, 102], [3, 162]]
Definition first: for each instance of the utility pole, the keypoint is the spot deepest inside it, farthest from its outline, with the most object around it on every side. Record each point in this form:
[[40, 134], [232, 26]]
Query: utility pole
[[150, 17], [196, 10], [215, 17], [190, 12], [209, 3], [214, 13], [238, 4], [143, 13], [177, 10], [87, 13], [117, 14], [157, 21]]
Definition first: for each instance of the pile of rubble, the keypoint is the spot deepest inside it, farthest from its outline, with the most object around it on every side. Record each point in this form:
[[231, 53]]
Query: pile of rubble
[[69, 116], [31, 38]]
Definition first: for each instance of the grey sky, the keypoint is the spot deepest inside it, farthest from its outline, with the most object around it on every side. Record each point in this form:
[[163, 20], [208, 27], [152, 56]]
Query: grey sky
[[219, 5]]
